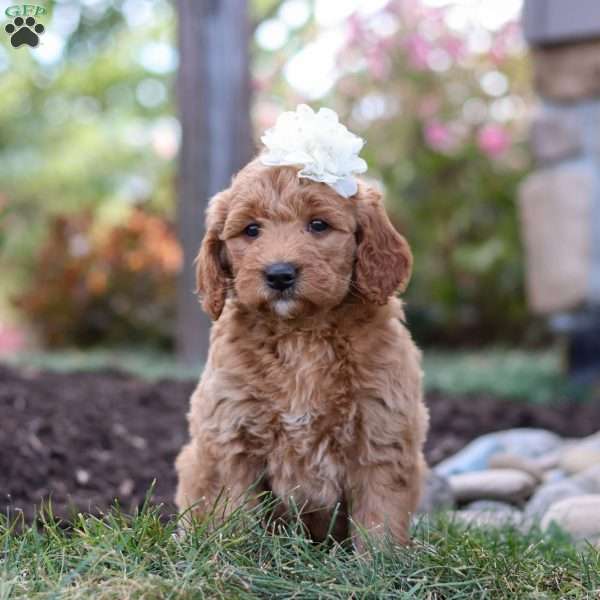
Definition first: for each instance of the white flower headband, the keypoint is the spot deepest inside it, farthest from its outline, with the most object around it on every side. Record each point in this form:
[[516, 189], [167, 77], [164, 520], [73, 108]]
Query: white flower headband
[[318, 143]]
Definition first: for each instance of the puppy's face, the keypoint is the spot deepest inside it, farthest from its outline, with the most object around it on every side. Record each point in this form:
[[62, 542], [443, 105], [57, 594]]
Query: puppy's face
[[291, 247]]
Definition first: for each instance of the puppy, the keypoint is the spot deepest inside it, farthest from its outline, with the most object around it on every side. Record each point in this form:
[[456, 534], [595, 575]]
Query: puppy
[[312, 388]]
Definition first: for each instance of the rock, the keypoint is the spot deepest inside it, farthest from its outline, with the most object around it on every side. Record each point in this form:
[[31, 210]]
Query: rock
[[567, 72], [489, 513], [576, 460], [547, 495], [507, 485], [592, 440], [555, 134], [523, 442], [473, 457], [580, 456], [578, 516], [528, 442], [82, 476], [554, 475], [126, 487], [589, 479], [437, 494], [506, 460], [548, 461], [556, 203], [491, 506]]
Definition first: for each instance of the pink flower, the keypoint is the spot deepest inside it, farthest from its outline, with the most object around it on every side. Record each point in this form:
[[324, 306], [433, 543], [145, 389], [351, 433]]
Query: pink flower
[[377, 63], [455, 47], [493, 140], [11, 340], [418, 51], [438, 136], [355, 31], [506, 41]]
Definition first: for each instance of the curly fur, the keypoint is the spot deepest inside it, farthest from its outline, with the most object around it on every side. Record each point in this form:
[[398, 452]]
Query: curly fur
[[315, 396]]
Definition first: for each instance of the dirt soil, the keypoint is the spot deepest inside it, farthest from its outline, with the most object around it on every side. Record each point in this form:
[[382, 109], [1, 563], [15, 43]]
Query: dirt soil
[[84, 439]]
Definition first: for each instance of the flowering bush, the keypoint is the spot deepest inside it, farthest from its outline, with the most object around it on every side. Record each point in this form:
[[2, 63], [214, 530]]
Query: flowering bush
[[441, 101], [92, 285], [439, 94], [442, 112]]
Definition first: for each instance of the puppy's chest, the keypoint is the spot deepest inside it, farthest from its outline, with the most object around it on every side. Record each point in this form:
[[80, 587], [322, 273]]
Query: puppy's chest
[[315, 431], [310, 399], [310, 417]]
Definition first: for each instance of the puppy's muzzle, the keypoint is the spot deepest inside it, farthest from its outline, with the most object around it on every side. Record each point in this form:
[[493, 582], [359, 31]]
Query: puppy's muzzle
[[280, 276]]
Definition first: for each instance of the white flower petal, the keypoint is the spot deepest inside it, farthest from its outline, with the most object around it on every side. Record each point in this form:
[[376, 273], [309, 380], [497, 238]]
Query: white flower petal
[[327, 113], [304, 110], [322, 177], [358, 165], [318, 143], [346, 187]]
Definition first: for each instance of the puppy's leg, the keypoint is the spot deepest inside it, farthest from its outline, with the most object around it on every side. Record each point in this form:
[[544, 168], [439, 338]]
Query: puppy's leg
[[206, 478], [382, 499], [197, 480]]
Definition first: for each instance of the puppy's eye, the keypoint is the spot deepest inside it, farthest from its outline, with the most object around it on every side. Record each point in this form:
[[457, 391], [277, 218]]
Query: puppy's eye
[[252, 230], [317, 226]]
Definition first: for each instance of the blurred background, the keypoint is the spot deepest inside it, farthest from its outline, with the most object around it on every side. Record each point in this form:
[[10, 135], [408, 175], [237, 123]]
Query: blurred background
[[94, 169]]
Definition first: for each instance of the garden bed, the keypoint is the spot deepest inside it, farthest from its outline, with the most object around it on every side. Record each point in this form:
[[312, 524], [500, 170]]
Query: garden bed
[[84, 439]]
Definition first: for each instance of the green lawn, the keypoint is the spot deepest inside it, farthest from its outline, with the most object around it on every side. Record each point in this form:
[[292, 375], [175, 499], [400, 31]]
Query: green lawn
[[533, 376], [140, 557]]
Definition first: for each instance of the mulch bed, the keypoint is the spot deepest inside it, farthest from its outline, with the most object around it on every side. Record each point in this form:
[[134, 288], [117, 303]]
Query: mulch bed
[[84, 439]]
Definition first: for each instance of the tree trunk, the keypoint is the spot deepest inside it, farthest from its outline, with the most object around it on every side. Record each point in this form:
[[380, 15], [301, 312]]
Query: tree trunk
[[214, 104]]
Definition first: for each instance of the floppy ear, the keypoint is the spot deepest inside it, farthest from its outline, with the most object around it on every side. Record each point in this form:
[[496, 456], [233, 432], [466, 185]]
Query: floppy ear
[[211, 274], [383, 256]]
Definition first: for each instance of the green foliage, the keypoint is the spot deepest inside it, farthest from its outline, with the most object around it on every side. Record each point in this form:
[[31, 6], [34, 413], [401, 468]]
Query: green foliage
[[118, 556], [88, 126], [458, 212], [441, 111], [92, 127], [450, 170]]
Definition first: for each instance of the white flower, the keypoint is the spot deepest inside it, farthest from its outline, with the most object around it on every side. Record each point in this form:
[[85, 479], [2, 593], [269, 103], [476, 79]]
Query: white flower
[[318, 143]]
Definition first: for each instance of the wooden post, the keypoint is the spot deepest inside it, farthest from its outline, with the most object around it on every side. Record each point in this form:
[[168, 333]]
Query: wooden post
[[214, 104]]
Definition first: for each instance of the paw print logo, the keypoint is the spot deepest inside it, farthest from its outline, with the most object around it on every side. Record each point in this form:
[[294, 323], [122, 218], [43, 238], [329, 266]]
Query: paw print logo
[[24, 31]]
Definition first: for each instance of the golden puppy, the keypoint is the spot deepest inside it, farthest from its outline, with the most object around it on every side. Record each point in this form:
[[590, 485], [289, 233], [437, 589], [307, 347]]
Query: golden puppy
[[312, 387]]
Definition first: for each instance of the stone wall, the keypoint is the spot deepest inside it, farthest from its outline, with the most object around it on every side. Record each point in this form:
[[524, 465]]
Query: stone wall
[[559, 202]]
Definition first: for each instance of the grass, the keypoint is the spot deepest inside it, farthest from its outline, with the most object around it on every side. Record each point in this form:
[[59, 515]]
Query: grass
[[119, 557], [532, 376], [141, 362]]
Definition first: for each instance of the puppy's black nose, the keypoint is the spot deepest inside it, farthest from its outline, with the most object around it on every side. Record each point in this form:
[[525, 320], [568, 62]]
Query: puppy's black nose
[[280, 276]]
